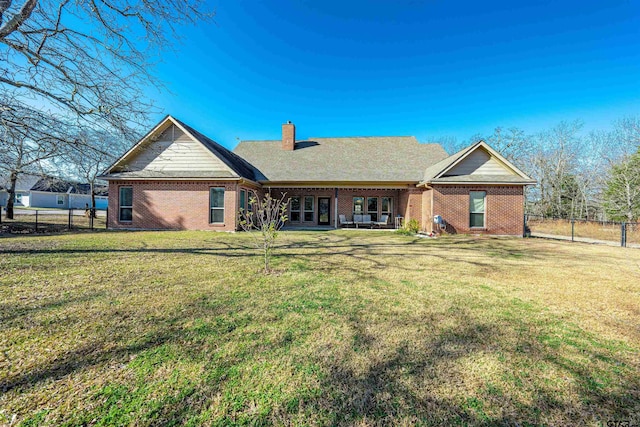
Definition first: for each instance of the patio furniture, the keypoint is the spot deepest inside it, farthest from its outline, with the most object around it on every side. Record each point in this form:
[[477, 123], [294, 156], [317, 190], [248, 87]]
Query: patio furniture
[[399, 221], [344, 222], [384, 221], [362, 220]]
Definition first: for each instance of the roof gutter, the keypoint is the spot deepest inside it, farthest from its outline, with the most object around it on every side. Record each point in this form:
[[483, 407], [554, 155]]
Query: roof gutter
[[431, 183]]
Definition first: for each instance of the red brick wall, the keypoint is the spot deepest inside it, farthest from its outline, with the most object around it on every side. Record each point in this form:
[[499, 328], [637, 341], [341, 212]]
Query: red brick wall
[[411, 204], [427, 215], [504, 211], [182, 205]]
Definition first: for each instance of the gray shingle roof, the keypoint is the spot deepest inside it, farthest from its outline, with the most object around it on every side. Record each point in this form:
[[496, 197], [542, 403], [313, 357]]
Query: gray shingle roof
[[353, 159], [24, 182], [56, 185]]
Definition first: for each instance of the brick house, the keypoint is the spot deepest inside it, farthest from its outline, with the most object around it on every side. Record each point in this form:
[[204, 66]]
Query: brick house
[[177, 178]]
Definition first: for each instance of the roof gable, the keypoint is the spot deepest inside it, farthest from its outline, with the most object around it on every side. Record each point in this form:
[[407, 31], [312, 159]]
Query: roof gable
[[173, 149], [476, 163]]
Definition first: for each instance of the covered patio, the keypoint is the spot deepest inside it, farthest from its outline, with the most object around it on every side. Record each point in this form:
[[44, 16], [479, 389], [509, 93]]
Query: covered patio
[[352, 207]]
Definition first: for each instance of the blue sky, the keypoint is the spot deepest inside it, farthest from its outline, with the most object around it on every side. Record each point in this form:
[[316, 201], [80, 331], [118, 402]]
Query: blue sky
[[422, 68]]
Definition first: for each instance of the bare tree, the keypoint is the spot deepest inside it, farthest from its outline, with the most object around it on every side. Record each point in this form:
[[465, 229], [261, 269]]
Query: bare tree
[[94, 152], [264, 218], [28, 140], [89, 59], [622, 193], [554, 164], [513, 144]]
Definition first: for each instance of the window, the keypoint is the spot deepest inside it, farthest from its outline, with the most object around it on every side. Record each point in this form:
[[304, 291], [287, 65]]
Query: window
[[308, 208], [477, 204], [243, 201], [387, 206], [358, 205], [372, 208], [18, 198], [294, 209], [60, 200], [126, 204], [216, 203]]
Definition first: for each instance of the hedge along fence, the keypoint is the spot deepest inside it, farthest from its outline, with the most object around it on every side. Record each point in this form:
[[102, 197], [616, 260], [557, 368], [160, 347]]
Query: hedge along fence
[[613, 231], [53, 220]]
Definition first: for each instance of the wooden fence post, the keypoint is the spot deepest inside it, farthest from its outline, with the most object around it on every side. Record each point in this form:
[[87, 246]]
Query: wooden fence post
[[623, 234]]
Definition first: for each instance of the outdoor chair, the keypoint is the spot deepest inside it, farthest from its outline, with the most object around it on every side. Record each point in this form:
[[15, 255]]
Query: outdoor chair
[[362, 220], [384, 221], [344, 222]]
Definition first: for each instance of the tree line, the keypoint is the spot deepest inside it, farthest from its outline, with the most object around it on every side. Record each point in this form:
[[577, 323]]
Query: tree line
[[588, 175]]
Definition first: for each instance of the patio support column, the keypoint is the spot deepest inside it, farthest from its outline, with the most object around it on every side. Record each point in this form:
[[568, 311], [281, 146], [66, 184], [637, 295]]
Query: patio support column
[[335, 209]]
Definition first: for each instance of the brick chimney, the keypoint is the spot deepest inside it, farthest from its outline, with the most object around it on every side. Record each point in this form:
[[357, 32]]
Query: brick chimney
[[288, 136]]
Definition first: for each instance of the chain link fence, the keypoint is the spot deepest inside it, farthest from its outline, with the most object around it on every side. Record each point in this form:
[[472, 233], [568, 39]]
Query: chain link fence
[[26, 221], [622, 233]]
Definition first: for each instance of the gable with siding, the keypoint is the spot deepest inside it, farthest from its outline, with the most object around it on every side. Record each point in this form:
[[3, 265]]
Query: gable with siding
[[479, 162], [175, 151]]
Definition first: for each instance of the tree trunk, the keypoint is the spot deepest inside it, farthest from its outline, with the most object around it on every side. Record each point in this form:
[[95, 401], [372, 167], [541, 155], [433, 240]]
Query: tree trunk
[[11, 196]]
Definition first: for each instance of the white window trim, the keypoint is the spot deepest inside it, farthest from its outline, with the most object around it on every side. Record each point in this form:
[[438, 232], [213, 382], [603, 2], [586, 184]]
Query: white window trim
[[484, 213], [212, 208], [120, 206], [59, 199]]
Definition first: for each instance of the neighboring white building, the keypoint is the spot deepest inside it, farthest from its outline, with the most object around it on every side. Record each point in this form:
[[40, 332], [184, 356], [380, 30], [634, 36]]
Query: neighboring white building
[[47, 192]]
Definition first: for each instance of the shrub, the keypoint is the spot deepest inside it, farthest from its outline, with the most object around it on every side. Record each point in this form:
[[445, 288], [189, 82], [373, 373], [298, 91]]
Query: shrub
[[410, 227]]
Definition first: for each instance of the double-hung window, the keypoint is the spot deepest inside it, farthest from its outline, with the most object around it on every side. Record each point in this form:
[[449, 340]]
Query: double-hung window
[[126, 204], [477, 209], [216, 203], [60, 200], [294, 209], [372, 208], [308, 208]]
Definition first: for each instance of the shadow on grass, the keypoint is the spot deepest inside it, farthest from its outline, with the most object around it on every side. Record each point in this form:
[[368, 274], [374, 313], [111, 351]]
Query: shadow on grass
[[372, 377], [408, 383]]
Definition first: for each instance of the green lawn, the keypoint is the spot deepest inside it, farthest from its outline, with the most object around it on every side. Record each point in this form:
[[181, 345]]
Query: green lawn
[[355, 328]]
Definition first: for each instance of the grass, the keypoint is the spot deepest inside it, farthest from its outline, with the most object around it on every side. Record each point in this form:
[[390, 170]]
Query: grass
[[356, 328], [586, 229]]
